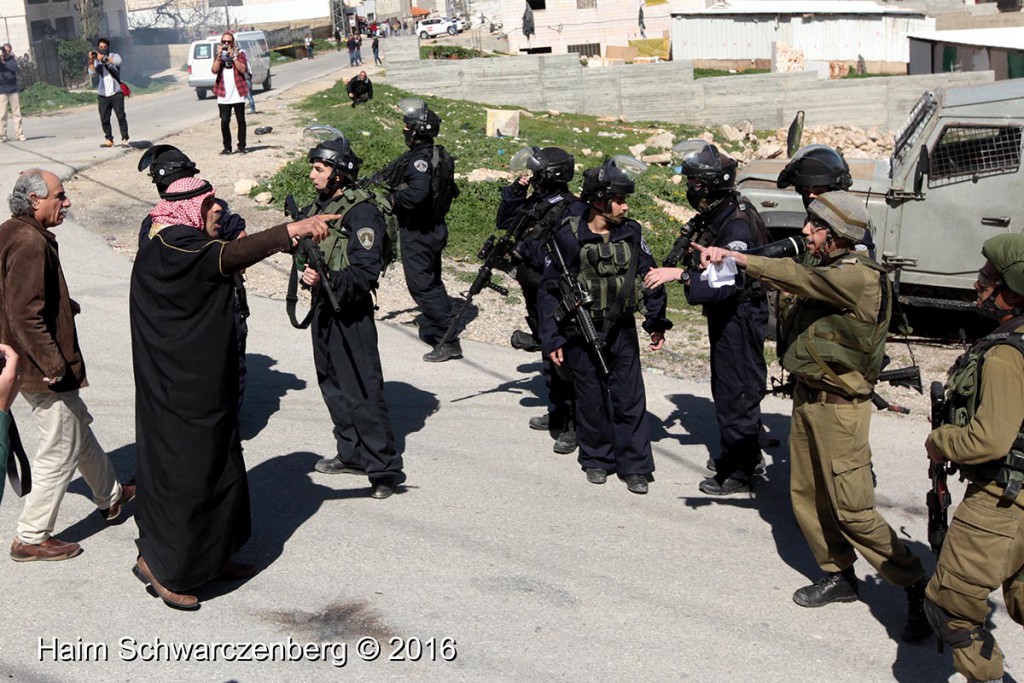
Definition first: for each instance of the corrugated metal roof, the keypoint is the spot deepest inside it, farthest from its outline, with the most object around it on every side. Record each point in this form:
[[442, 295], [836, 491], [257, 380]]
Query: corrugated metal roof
[[1010, 38], [798, 7]]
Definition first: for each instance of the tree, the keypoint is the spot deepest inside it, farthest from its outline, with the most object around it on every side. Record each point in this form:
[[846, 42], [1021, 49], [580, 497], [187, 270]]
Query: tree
[[191, 18]]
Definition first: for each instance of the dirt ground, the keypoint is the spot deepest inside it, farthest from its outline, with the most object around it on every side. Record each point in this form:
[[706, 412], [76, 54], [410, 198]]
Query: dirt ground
[[114, 211]]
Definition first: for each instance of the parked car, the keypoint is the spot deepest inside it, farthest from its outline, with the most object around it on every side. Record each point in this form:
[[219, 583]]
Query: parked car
[[435, 26], [953, 181], [201, 54]]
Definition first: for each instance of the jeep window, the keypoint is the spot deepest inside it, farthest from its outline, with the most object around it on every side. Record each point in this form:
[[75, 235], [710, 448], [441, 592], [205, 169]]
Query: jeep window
[[909, 134], [966, 152]]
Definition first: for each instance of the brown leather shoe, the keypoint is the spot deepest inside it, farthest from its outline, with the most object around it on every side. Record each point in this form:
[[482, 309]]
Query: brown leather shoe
[[170, 598], [50, 550], [111, 513]]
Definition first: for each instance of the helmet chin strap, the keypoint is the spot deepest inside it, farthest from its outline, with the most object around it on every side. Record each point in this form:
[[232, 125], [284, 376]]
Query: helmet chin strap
[[614, 220], [989, 309]]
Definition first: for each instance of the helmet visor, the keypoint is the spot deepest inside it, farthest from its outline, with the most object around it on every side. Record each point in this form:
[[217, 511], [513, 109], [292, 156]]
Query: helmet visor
[[412, 107], [526, 160], [318, 132], [697, 156], [633, 168]]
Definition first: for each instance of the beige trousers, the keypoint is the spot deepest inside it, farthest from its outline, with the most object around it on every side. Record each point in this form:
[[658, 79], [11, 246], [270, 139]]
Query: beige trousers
[[14, 101], [66, 443]]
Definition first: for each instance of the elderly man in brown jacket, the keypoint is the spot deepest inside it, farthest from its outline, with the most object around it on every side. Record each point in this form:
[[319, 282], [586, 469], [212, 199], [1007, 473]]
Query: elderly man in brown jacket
[[38, 322]]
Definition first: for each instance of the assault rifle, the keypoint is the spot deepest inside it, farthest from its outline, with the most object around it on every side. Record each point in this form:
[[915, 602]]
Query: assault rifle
[[496, 255], [938, 499], [909, 377], [576, 301], [314, 257], [681, 247]]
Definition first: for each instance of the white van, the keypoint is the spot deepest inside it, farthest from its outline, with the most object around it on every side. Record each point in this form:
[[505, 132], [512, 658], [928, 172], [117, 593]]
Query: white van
[[201, 53]]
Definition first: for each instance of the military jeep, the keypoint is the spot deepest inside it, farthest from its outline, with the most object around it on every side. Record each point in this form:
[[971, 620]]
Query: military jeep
[[954, 179]]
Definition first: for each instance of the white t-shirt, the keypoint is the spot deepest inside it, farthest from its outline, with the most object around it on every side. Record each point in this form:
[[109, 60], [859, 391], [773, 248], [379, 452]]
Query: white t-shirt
[[231, 95]]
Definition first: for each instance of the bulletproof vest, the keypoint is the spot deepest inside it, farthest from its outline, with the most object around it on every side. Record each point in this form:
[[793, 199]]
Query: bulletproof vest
[[335, 245], [745, 211], [963, 391], [442, 182], [819, 337], [546, 214], [608, 273]]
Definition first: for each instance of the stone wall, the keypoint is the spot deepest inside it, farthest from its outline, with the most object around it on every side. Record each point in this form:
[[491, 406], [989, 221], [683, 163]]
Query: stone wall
[[665, 91]]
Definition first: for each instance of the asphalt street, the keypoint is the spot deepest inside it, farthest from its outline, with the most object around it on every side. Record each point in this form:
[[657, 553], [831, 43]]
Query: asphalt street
[[497, 562]]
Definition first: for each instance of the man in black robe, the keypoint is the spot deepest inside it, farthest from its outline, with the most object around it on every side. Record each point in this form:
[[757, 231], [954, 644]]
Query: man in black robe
[[193, 497]]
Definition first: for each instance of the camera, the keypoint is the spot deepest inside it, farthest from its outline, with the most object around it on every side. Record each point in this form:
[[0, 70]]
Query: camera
[[225, 56], [94, 54]]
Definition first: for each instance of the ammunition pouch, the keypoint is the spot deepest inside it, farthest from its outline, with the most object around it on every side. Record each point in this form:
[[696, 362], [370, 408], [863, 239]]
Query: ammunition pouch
[[608, 273]]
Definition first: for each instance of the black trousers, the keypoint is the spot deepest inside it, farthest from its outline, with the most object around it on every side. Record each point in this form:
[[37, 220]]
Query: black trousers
[[738, 372], [620, 442], [113, 103], [561, 394], [348, 371], [421, 261], [225, 123]]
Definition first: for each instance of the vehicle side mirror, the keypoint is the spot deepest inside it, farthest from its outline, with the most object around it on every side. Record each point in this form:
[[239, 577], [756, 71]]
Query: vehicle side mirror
[[920, 171], [796, 132]]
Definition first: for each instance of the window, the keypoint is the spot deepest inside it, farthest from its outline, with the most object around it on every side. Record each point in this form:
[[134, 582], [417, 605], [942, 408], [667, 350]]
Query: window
[[586, 49], [41, 29], [971, 152], [66, 28], [537, 51], [202, 51], [586, 4], [537, 4]]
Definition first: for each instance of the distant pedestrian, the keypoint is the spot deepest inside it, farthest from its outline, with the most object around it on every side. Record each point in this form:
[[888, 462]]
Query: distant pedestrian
[[376, 50], [231, 90], [9, 93], [105, 68], [360, 89], [337, 39], [359, 50], [351, 50]]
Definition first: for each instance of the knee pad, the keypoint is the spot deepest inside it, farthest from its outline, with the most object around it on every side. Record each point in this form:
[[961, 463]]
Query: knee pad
[[957, 637]]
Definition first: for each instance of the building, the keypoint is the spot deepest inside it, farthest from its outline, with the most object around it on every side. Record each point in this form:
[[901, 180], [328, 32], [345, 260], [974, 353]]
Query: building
[[30, 22], [1000, 50], [744, 32], [586, 27], [144, 13]]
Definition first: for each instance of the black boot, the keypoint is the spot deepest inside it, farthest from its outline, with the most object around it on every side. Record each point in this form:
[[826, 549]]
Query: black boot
[[834, 587], [566, 441], [917, 628]]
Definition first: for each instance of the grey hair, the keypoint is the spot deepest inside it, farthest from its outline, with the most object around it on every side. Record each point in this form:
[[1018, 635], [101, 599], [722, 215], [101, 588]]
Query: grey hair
[[30, 182]]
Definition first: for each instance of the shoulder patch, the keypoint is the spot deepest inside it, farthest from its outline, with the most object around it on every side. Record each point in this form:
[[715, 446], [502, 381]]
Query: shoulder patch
[[643, 245], [366, 237], [736, 245], [420, 165]]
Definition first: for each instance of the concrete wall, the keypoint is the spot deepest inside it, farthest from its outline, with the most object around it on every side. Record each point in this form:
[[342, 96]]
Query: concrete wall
[[666, 91]]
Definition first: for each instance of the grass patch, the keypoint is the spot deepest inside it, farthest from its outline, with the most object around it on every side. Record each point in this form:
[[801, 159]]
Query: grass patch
[[375, 132], [449, 52], [43, 98], [715, 73]]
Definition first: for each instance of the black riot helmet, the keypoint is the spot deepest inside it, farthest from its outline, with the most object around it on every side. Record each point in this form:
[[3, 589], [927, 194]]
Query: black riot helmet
[[332, 149], [816, 166], [420, 122], [550, 166], [166, 163], [716, 172], [616, 176]]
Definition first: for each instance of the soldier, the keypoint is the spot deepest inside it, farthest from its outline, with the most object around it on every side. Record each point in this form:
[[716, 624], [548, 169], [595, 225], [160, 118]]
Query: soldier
[[737, 314], [833, 341], [606, 252], [548, 171], [345, 349], [984, 548], [423, 195]]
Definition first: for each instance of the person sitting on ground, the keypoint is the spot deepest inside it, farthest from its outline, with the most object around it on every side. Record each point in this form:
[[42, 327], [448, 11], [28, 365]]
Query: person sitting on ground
[[360, 89]]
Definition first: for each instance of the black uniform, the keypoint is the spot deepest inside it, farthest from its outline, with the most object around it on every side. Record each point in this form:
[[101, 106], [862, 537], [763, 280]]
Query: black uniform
[[620, 442], [737, 320], [422, 240], [546, 209], [346, 357]]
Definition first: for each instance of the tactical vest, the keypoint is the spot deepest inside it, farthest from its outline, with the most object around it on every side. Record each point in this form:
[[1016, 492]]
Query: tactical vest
[[963, 390], [819, 336], [608, 273], [335, 246]]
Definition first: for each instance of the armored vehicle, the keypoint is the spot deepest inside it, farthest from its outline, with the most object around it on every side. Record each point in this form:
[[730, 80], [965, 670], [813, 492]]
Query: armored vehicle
[[954, 179]]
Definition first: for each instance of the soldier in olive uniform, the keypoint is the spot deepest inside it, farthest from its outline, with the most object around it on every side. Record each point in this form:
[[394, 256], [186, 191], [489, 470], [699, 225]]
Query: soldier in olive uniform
[[833, 341], [984, 547]]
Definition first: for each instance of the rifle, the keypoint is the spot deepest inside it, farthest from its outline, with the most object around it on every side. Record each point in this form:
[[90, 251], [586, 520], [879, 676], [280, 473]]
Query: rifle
[[496, 255], [576, 301], [938, 499], [681, 247], [314, 257], [909, 377]]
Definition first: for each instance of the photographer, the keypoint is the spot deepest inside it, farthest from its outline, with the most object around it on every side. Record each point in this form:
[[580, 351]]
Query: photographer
[[9, 383], [231, 89], [105, 70], [9, 93]]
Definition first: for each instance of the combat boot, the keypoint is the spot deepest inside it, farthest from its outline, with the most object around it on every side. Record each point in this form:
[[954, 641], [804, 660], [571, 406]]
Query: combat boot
[[442, 352], [566, 441], [727, 487], [524, 341], [833, 587], [917, 628]]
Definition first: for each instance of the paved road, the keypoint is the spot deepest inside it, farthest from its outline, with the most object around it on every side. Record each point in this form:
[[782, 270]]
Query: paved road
[[497, 543]]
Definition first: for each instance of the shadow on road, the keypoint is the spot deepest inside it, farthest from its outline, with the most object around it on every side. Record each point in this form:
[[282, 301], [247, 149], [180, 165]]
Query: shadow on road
[[264, 389], [409, 408]]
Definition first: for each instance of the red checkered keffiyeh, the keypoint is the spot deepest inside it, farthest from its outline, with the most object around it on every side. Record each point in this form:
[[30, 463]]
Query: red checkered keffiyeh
[[183, 211]]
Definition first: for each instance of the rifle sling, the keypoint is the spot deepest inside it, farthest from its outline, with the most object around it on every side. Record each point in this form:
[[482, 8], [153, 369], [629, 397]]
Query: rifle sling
[[291, 300]]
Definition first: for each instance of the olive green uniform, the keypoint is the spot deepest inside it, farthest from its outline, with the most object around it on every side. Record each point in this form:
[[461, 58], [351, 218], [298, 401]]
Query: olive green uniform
[[842, 313], [985, 544]]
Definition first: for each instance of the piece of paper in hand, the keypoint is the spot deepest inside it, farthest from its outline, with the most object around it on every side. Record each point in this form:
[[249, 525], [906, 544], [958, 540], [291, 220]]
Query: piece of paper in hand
[[720, 274]]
